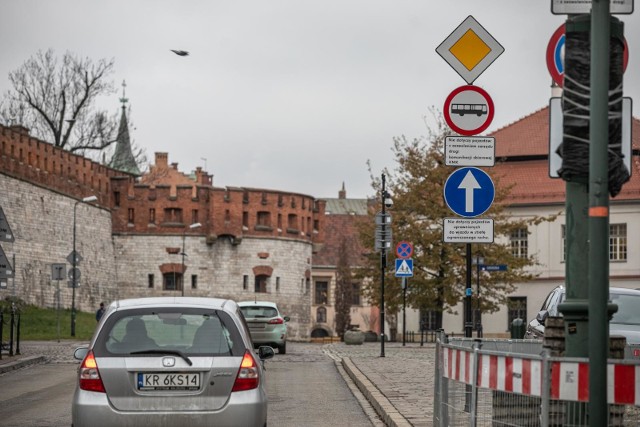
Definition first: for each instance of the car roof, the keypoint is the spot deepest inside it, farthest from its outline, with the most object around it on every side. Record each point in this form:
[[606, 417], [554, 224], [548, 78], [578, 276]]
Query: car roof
[[257, 303], [217, 303], [612, 290]]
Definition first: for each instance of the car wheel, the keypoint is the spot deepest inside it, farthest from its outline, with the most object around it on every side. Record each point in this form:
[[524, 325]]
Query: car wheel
[[282, 349]]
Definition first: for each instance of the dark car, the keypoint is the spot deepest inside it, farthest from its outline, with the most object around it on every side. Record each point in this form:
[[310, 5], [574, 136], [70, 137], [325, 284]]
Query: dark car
[[625, 322]]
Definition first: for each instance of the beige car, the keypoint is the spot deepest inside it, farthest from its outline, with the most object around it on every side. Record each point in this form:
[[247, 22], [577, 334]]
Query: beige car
[[266, 325]]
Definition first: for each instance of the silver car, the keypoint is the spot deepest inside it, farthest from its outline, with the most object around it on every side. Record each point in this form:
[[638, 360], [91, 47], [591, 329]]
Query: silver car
[[266, 324], [171, 362]]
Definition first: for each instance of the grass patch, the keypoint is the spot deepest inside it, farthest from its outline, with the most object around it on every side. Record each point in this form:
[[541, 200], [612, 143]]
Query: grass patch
[[42, 324]]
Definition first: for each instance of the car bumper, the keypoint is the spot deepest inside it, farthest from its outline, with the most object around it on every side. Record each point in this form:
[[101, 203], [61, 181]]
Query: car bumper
[[244, 408], [268, 338]]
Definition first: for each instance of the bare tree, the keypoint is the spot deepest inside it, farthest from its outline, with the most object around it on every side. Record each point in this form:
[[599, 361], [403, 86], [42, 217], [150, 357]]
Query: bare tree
[[56, 100], [344, 290]]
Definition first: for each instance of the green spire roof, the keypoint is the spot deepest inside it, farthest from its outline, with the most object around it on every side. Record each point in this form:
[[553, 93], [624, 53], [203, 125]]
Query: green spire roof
[[123, 159]]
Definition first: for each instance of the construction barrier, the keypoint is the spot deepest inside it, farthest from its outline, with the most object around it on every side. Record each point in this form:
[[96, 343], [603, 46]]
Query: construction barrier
[[517, 383]]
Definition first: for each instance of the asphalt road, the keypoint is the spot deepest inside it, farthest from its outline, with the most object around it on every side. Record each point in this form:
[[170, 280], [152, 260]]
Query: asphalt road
[[304, 386]]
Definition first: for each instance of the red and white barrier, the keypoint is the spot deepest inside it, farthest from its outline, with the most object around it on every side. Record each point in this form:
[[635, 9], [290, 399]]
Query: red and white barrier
[[569, 380]]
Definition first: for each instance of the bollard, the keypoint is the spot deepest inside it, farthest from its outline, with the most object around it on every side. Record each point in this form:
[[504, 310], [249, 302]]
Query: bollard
[[517, 329], [1, 328], [18, 335], [11, 326]]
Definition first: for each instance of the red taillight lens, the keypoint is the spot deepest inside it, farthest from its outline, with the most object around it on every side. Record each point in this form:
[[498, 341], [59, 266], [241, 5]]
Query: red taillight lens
[[276, 321], [89, 375], [248, 377]]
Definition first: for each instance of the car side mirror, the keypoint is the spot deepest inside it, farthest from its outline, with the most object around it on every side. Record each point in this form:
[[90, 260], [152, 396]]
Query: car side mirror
[[542, 316], [286, 318], [80, 353], [265, 352]]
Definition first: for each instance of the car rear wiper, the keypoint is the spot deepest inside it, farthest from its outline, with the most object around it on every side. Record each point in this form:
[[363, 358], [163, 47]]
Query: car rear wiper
[[161, 351]]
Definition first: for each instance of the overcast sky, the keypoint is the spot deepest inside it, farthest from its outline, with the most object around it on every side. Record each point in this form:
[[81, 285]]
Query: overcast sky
[[292, 95]]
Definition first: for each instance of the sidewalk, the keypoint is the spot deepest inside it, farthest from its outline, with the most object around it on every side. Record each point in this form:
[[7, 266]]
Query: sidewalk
[[399, 386], [33, 352]]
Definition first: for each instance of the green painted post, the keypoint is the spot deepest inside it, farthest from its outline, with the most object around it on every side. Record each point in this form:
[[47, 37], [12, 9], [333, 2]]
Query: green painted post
[[599, 212]]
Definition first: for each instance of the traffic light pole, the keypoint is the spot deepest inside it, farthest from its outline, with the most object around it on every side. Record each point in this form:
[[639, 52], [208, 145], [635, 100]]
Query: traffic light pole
[[599, 212]]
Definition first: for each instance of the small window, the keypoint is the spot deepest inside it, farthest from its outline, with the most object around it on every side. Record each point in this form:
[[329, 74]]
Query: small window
[[618, 242], [355, 294], [261, 284], [322, 293], [321, 315], [245, 282], [519, 243], [150, 277], [131, 216], [264, 219], [194, 216], [194, 281], [116, 198], [171, 281], [227, 215], [173, 215], [292, 221], [277, 284], [152, 216], [245, 219]]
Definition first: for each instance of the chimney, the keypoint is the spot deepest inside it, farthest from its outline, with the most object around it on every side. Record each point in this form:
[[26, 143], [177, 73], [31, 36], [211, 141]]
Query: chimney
[[162, 160], [342, 194]]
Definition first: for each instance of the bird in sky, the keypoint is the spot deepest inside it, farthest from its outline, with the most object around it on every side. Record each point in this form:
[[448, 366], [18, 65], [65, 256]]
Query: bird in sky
[[180, 52]]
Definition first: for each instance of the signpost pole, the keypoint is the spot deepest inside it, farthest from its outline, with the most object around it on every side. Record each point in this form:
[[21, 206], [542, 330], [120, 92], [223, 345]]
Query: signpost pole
[[468, 324], [404, 310], [383, 262]]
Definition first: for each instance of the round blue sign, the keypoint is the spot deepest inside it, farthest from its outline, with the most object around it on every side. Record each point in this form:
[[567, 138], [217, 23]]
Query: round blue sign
[[469, 192]]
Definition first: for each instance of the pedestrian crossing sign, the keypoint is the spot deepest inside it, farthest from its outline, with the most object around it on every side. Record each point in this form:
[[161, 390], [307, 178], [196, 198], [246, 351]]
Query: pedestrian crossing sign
[[404, 268]]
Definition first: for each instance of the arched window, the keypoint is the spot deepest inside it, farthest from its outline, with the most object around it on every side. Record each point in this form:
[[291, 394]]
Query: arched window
[[321, 315]]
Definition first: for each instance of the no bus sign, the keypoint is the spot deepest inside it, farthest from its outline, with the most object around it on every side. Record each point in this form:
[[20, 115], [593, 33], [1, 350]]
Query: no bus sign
[[468, 110]]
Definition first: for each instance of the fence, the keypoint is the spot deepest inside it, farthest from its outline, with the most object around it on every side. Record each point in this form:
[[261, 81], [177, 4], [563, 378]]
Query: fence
[[516, 383], [13, 322]]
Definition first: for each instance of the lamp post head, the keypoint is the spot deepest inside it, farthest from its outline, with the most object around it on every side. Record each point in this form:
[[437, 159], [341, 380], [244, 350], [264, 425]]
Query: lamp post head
[[89, 199]]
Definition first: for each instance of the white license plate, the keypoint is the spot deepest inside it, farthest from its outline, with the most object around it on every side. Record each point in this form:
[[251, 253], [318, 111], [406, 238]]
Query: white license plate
[[168, 381]]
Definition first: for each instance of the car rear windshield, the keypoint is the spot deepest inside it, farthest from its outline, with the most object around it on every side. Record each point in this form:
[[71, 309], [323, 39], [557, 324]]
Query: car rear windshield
[[256, 312], [191, 331]]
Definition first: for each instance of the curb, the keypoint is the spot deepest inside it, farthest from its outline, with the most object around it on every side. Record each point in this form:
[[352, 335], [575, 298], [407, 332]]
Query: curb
[[21, 363], [381, 404]]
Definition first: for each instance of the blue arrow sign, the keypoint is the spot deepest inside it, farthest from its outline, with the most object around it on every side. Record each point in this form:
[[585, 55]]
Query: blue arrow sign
[[404, 268], [499, 267], [469, 192]]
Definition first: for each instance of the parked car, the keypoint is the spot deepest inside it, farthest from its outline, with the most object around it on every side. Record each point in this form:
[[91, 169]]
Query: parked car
[[266, 325], [168, 362], [625, 322]]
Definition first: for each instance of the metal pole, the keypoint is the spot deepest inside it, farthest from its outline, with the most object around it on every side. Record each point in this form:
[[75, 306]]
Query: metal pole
[[404, 309], [599, 212], [383, 262], [58, 310], [182, 269], [468, 325], [478, 315], [73, 275]]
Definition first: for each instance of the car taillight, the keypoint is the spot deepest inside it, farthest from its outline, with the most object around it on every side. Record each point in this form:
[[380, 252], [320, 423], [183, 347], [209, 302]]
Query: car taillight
[[276, 321], [89, 375], [248, 377]]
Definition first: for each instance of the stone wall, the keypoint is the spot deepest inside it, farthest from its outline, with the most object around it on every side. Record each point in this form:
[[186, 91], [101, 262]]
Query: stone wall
[[220, 268], [42, 223]]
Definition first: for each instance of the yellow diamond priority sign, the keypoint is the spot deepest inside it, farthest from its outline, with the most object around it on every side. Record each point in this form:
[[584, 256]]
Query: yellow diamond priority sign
[[470, 49]]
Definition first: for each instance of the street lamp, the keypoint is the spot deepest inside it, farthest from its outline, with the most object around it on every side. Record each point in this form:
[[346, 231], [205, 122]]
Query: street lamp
[[74, 263], [192, 226]]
